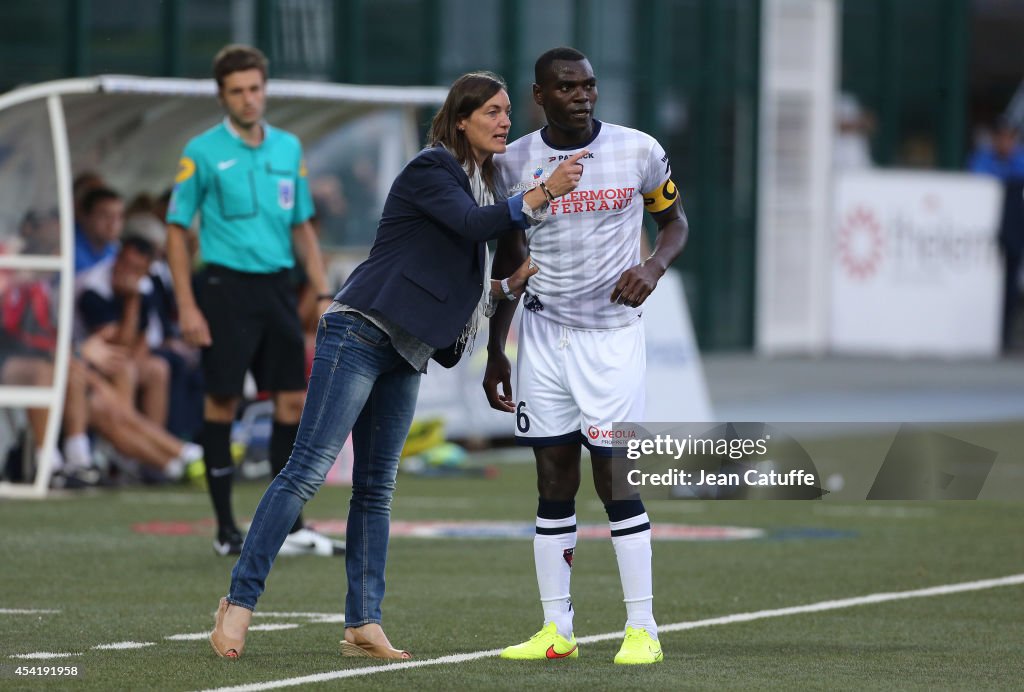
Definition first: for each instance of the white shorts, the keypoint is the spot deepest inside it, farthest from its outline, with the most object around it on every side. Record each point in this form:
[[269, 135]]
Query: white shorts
[[574, 384]]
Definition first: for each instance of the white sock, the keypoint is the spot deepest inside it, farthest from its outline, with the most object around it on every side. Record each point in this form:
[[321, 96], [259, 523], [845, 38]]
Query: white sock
[[175, 468], [58, 459], [552, 557], [190, 452], [78, 451], [633, 553]]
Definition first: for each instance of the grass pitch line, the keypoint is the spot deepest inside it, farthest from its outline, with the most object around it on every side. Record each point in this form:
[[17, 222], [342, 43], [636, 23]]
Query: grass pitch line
[[357, 672], [191, 637], [945, 590], [26, 611], [200, 636], [314, 618], [870, 599]]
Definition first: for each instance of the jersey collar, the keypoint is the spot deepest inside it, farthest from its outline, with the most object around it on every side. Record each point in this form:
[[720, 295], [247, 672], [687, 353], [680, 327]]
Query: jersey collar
[[238, 137], [574, 147]]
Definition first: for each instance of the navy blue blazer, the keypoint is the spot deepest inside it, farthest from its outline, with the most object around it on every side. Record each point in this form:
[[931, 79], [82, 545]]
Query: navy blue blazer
[[425, 271]]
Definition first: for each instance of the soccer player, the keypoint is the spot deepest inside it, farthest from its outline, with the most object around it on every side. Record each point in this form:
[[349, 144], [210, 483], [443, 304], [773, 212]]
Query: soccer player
[[248, 182], [581, 344]]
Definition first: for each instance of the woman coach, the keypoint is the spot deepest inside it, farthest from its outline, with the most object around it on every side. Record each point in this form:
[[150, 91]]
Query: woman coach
[[414, 298]]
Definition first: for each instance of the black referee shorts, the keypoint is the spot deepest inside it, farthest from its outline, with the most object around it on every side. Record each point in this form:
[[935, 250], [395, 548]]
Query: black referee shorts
[[254, 325]]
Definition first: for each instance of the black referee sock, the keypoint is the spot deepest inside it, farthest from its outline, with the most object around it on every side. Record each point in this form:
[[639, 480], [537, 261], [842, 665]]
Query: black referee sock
[[282, 439], [216, 441]]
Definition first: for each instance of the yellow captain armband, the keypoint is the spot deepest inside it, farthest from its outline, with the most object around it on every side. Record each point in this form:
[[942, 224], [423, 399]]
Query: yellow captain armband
[[661, 198]]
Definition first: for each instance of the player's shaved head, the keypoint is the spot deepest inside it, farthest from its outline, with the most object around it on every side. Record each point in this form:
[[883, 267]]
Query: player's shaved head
[[542, 68]]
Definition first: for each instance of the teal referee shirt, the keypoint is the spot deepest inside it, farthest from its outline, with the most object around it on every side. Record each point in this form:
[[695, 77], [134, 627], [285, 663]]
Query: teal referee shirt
[[248, 197]]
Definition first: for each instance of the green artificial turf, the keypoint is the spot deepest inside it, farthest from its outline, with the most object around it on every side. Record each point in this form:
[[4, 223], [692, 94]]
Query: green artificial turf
[[80, 555]]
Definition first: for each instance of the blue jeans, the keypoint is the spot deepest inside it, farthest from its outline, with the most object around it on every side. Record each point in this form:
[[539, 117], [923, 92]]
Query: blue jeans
[[360, 384]]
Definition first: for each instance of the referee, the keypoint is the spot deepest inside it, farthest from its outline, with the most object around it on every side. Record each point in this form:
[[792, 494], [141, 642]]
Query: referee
[[247, 181]]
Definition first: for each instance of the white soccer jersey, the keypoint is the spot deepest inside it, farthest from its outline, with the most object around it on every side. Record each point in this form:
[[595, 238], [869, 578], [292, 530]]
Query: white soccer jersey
[[593, 233]]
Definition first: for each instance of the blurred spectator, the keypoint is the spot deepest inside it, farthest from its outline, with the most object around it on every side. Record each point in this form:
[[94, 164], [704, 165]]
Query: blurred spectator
[[28, 335], [73, 468], [331, 207], [27, 343], [131, 434], [92, 403], [40, 233], [160, 318], [28, 338], [114, 302], [1003, 158], [1003, 155], [360, 189], [161, 203], [142, 203], [100, 227], [852, 146], [163, 335], [83, 183]]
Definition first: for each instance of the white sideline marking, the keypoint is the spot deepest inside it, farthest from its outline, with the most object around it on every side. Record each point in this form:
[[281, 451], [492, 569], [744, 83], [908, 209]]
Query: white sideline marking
[[26, 611], [946, 589], [123, 645], [275, 626], [876, 512], [195, 637], [314, 618], [441, 503], [162, 498], [870, 599], [45, 654], [199, 636]]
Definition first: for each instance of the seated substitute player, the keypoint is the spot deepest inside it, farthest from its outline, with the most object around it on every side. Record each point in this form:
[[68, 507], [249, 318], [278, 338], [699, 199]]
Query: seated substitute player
[[581, 344]]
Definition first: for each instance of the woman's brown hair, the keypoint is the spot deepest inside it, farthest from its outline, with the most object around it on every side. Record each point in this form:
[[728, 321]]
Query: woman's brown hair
[[469, 92]]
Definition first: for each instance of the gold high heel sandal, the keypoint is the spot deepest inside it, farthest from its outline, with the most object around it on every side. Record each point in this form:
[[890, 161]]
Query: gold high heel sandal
[[369, 641], [226, 646]]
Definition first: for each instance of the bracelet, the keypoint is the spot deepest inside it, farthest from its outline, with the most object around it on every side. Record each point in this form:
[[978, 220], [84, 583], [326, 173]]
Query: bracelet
[[508, 291], [325, 296], [547, 192]]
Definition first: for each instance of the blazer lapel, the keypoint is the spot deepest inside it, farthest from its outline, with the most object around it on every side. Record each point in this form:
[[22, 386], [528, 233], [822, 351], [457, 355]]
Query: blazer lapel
[[481, 249]]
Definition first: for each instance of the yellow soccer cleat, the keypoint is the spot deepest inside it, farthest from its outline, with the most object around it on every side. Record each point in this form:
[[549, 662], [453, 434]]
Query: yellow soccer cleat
[[546, 644], [639, 647]]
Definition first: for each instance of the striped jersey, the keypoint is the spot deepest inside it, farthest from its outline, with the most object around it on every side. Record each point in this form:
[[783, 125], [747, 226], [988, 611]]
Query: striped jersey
[[592, 234]]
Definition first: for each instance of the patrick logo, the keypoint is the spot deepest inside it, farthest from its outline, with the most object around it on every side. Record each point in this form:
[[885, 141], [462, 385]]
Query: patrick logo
[[567, 556]]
